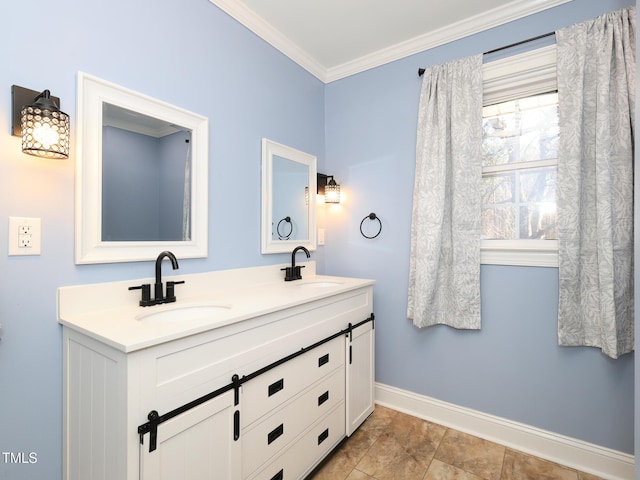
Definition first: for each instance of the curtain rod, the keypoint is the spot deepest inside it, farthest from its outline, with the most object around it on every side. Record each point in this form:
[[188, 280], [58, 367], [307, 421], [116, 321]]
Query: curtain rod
[[539, 37]]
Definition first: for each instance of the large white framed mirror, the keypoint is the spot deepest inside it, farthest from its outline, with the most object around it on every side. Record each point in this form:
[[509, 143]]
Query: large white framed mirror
[[288, 198], [141, 176]]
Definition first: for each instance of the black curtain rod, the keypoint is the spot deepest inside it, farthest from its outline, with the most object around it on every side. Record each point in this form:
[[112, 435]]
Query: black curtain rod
[[539, 37]]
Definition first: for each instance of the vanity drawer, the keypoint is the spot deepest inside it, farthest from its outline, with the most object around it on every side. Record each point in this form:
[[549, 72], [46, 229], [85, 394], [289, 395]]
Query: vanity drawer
[[269, 390], [307, 451], [273, 433]]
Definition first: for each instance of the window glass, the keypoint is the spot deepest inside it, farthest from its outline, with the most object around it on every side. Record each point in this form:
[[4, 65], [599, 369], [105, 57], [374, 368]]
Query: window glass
[[520, 151]]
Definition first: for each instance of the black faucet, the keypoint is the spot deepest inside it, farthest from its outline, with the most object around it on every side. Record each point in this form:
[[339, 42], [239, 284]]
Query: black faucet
[[293, 272], [159, 295]]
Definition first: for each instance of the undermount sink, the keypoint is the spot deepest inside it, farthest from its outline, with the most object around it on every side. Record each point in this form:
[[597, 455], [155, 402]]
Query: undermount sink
[[181, 313], [319, 284]]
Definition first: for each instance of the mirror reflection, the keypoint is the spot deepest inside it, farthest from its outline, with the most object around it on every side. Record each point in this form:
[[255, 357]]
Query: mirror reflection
[[146, 181], [290, 200]]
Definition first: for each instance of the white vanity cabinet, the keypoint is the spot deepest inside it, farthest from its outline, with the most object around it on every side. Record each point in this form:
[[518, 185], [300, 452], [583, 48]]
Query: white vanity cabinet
[[360, 375], [266, 394], [195, 445], [292, 401]]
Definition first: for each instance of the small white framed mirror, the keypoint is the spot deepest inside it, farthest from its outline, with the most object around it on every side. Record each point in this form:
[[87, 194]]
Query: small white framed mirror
[[141, 176], [288, 198]]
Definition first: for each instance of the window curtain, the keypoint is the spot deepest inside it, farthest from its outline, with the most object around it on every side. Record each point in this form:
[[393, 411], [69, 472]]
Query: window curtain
[[596, 88], [444, 274]]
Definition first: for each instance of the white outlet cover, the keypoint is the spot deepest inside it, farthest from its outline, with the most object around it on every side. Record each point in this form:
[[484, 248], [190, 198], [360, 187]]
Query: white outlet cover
[[16, 231]]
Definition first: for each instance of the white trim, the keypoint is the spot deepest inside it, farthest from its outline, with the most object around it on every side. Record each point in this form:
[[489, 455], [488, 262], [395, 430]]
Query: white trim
[[272, 36], [528, 253], [493, 18], [520, 166], [571, 452]]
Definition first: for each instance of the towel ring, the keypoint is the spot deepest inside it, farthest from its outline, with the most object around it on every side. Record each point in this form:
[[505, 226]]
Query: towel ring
[[371, 216], [281, 236]]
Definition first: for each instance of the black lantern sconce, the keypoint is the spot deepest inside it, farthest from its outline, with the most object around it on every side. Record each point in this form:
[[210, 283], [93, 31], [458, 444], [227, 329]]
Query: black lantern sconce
[[328, 187], [37, 118]]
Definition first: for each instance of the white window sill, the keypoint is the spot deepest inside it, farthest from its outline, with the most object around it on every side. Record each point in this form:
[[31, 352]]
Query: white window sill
[[529, 253]]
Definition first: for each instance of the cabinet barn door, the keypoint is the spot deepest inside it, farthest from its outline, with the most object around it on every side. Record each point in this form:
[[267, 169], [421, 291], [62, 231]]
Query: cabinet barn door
[[195, 445], [360, 375]]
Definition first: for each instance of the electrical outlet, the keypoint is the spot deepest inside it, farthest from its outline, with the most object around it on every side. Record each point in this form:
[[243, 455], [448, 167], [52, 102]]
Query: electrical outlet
[[24, 236]]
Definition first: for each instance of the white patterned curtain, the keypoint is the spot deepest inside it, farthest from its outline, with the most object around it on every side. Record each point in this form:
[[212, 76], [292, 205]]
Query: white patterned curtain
[[444, 275], [596, 88]]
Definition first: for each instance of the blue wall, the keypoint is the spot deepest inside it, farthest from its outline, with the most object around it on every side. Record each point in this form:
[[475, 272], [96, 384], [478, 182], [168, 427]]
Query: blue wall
[[192, 55], [187, 53], [513, 367]]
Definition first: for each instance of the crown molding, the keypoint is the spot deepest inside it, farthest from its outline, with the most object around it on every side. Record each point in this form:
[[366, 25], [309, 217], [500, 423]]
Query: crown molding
[[490, 19], [272, 36]]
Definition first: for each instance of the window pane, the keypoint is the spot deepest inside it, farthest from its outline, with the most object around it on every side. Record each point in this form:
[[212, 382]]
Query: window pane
[[519, 202], [538, 222], [519, 205], [498, 188], [538, 185], [538, 193], [521, 130], [499, 222]]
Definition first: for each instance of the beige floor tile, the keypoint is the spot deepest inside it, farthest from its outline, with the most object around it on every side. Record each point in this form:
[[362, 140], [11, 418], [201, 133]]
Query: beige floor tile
[[346, 457], [520, 466], [588, 476], [443, 471], [394, 446], [338, 467], [472, 454], [379, 420], [404, 450], [358, 475]]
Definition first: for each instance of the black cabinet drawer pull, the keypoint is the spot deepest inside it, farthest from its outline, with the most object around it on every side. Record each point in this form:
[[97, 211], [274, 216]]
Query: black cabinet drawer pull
[[275, 387], [323, 436], [323, 359], [323, 398], [236, 425], [279, 475], [275, 433]]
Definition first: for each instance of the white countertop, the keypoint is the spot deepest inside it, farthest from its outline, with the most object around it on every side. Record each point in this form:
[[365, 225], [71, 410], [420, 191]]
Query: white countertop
[[110, 313]]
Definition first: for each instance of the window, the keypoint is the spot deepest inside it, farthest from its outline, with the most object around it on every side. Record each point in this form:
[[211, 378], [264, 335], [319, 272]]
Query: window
[[520, 157]]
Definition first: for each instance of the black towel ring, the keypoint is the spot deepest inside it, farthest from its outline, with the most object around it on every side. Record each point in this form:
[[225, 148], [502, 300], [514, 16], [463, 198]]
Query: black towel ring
[[282, 236], [371, 216]]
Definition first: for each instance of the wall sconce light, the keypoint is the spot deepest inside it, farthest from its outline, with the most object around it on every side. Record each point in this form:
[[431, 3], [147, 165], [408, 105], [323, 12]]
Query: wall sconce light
[[36, 118], [328, 187]]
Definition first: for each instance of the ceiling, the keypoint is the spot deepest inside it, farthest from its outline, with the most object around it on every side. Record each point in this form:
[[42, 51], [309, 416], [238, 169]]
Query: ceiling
[[333, 39]]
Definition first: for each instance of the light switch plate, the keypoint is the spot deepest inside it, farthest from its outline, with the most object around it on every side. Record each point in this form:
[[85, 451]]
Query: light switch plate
[[25, 236]]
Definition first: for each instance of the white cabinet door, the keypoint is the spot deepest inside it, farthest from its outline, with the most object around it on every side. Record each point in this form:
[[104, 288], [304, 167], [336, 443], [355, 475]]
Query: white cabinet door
[[360, 375], [195, 445]]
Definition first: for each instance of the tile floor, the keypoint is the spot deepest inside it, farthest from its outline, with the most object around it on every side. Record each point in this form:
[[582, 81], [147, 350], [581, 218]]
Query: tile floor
[[391, 445]]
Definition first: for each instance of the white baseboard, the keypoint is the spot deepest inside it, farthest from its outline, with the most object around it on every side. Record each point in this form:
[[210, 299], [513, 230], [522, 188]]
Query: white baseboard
[[573, 453]]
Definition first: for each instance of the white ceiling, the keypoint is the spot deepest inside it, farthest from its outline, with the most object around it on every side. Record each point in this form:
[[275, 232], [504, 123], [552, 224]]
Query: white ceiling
[[333, 39]]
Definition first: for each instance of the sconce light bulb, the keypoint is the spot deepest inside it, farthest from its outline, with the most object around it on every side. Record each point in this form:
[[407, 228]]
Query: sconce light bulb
[[44, 134], [332, 192]]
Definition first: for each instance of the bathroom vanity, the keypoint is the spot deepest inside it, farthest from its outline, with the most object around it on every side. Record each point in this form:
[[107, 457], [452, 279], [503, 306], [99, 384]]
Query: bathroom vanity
[[244, 377]]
